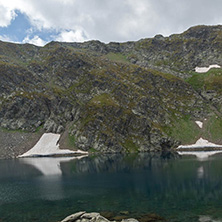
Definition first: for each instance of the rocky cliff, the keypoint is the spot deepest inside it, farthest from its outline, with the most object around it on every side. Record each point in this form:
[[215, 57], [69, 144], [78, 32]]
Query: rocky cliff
[[116, 97]]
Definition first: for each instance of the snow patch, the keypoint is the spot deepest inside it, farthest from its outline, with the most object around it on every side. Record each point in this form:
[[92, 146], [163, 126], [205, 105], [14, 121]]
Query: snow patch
[[206, 69], [201, 143], [199, 123], [48, 146]]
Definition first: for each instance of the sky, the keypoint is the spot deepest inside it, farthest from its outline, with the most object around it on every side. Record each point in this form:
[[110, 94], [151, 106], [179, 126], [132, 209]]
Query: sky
[[41, 21]]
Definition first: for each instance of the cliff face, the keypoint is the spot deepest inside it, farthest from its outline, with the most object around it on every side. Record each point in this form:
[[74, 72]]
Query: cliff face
[[116, 97]]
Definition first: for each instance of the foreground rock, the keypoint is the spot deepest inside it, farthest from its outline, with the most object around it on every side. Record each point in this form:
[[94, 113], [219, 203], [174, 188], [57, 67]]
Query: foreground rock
[[96, 217], [90, 217]]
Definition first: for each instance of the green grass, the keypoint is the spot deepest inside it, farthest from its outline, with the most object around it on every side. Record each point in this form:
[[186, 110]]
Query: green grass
[[72, 140], [184, 130], [197, 80], [117, 57], [212, 80], [213, 129]]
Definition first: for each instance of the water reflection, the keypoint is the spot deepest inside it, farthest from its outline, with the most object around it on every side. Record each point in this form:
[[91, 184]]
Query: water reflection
[[119, 162], [164, 183], [200, 172], [46, 165], [201, 155]]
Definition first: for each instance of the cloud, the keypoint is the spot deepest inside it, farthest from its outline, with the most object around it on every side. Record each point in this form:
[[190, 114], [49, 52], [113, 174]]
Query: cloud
[[36, 40], [6, 16], [71, 36], [112, 20], [5, 38]]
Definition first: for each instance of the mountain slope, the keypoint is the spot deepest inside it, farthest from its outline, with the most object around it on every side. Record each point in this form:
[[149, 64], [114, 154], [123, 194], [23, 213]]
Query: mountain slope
[[117, 97]]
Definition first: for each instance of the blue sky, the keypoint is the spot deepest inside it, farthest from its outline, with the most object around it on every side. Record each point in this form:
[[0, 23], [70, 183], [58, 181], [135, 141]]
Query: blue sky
[[41, 21], [21, 28]]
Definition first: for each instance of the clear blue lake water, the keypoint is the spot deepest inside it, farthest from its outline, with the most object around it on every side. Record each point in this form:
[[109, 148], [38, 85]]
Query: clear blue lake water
[[178, 188]]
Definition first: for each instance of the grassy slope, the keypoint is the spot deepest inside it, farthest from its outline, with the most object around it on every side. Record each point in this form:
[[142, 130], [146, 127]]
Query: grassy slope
[[211, 82]]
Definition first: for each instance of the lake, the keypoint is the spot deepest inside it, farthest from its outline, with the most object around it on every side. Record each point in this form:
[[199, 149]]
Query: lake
[[178, 188]]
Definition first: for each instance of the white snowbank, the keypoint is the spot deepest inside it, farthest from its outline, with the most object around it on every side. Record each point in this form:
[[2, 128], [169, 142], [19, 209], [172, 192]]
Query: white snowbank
[[48, 146], [206, 69], [201, 143], [48, 166], [199, 123], [200, 154]]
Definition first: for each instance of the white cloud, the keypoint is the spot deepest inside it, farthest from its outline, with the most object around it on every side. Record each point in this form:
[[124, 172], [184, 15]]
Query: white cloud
[[5, 38], [114, 20], [6, 16], [36, 40], [71, 36]]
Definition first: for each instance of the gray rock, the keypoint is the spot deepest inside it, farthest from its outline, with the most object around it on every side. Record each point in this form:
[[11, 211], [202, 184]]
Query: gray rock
[[73, 217], [129, 220], [90, 215], [86, 217], [60, 129]]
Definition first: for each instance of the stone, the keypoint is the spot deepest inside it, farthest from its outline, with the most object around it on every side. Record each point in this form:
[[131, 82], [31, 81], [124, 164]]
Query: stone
[[73, 217], [60, 129], [90, 215], [129, 220]]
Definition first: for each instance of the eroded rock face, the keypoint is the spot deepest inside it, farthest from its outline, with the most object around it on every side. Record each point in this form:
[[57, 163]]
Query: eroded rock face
[[110, 97]]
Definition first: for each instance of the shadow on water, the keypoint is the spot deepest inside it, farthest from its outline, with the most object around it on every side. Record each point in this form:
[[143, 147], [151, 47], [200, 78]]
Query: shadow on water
[[174, 187]]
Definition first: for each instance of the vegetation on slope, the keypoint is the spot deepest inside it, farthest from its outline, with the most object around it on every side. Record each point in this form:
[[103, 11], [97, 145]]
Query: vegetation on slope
[[117, 97]]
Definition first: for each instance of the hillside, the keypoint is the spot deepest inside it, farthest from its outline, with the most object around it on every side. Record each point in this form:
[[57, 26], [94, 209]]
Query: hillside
[[116, 97]]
